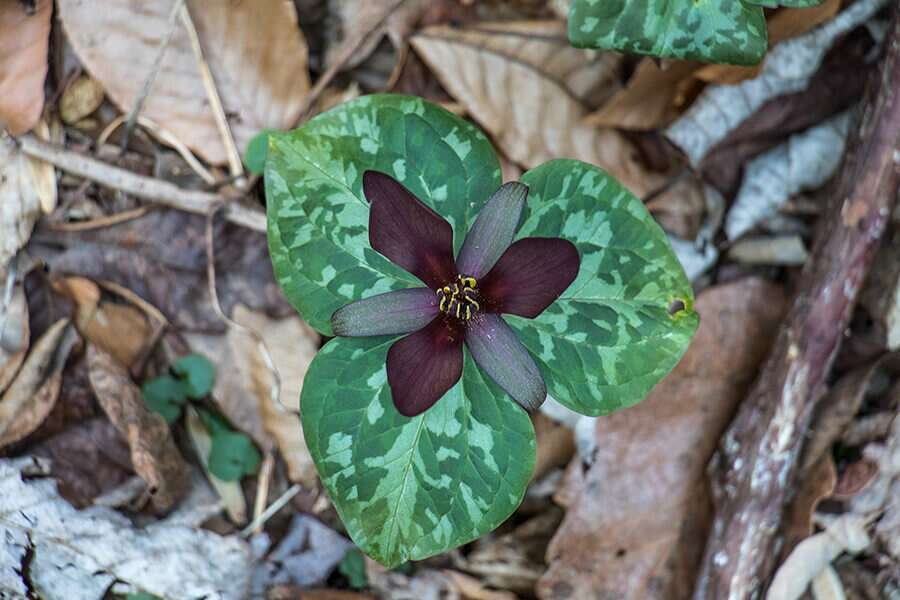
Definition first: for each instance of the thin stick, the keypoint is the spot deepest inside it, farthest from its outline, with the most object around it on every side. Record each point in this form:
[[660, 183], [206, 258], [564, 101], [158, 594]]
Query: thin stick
[[262, 488], [273, 508], [345, 53], [107, 221], [234, 157], [146, 188], [151, 76]]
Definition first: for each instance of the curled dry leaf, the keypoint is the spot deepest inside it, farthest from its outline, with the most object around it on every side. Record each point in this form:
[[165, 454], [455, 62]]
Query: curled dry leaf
[[120, 329], [24, 38], [55, 552], [636, 528], [20, 202], [530, 90], [81, 97], [361, 20], [33, 393], [255, 50], [153, 452], [14, 334], [243, 389]]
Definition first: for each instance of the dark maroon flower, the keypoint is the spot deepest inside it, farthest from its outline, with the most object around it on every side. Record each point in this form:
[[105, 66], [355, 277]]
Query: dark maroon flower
[[465, 297]]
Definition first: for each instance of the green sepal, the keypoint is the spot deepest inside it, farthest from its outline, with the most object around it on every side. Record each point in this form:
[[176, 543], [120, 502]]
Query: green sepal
[[610, 337], [409, 488], [318, 215]]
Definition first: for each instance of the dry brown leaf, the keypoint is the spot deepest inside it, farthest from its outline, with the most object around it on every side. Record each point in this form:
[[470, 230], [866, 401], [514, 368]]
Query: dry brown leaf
[[243, 388], [120, 329], [359, 20], [555, 445], [649, 100], [14, 335], [783, 25], [637, 527], [24, 36], [82, 96], [255, 50], [818, 483], [472, 589], [153, 452], [530, 90], [33, 393], [229, 491]]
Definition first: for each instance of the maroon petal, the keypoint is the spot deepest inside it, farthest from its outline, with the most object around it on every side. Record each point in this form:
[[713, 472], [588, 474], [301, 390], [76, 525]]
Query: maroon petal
[[407, 231], [391, 313], [493, 230], [500, 354], [530, 275], [424, 365]]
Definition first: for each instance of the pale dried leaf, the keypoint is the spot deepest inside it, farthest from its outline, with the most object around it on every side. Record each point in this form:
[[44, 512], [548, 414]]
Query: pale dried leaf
[[77, 555], [360, 20], [24, 38], [528, 88], [20, 203], [14, 334], [33, 393], [255, 50], [153, 452], [846, 533], [81, 97], [785, 250], [804, 162], [229, 491], [788, 68], [637, 525]]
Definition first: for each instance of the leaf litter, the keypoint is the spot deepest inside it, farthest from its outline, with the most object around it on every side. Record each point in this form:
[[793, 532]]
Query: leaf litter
[[734, 163]]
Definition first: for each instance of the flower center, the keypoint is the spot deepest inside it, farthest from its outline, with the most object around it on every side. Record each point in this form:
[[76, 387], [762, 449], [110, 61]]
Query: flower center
[[460, 298]]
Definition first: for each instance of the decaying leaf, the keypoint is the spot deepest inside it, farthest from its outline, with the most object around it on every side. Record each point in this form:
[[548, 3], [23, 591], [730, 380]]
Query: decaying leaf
[[24, 38], [306, 556], [255, 50], [243, 389], [881, 294], [77, 555], [14, 334], [882, 495], [637, 526], [788, 68], [804, 162], [33, 393], [120, 329], [530, 90], [20, 203], [787, 250], [153, 452], [358, 19], [81, 97], [229, 491]]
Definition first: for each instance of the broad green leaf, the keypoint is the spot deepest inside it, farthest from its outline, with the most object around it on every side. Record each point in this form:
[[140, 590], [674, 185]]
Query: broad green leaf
[[232, 455], [197, 373], [258, 151], [353, 567], [723, 31], [609, 338], [409, 488], [165, 395], [318, 216]]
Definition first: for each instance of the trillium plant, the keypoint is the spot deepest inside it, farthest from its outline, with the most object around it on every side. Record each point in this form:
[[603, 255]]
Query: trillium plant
[[457, 306]]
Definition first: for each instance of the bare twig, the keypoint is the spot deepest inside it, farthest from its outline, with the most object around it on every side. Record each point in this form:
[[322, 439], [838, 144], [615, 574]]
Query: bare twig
[[151, 76], [262, 489], [101, 222], [754, 468], [273, 508], [147, 188], [209, 84], [344, 53]]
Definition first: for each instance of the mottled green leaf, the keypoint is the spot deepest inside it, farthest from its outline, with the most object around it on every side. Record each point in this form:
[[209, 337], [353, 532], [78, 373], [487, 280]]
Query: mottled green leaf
[[197, 373], [724, 31], [165, 395], [409, 488], [318, 216], [610, 337]]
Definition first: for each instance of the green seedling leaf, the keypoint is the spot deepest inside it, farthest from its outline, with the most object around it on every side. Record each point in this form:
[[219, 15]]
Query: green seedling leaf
[[197, 373], [410, 488], [353, 567], [318, 216], [719, 31], [258, 151], [610, 337], [165, 395], [232, 455]]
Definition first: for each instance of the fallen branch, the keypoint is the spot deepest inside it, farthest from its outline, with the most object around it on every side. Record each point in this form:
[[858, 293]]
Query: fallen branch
[[753, 470], [146, 188]]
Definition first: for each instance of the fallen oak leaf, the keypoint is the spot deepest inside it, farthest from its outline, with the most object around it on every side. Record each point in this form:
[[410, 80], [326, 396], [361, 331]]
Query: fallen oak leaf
[[24, 42], [153, 452], [33, 393]]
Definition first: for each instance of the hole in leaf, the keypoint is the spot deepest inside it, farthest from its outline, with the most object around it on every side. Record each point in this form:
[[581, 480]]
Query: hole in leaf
[[676, 306], [621, 552]]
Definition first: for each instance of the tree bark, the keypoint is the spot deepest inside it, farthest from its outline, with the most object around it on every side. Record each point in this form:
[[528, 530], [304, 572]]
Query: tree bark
[[753, 470]]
